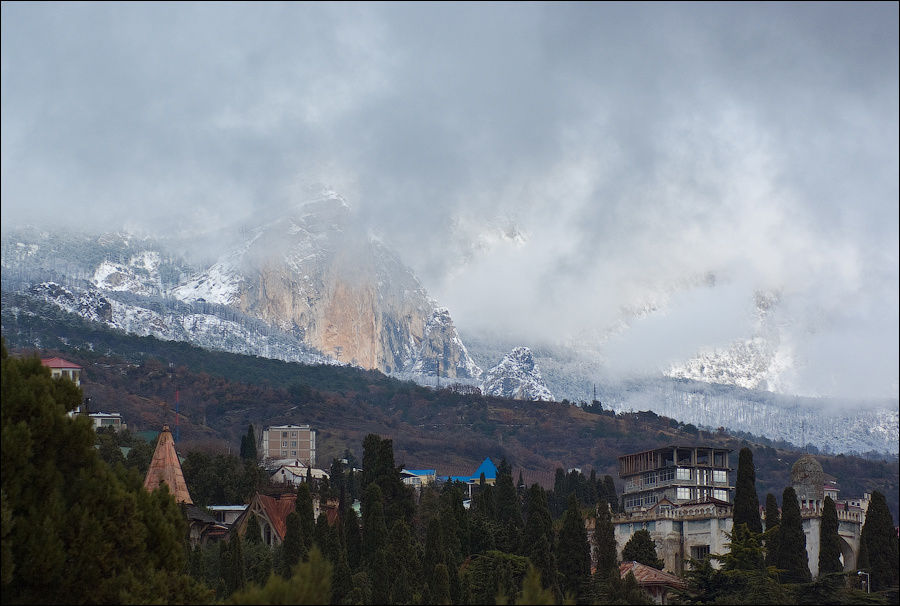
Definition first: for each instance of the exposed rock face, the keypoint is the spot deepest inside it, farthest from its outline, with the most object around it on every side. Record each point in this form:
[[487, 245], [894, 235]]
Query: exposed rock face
[[517, 377]]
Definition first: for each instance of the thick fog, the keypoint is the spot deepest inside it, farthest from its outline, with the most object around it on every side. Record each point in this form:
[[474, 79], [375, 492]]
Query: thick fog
[[541, 167]]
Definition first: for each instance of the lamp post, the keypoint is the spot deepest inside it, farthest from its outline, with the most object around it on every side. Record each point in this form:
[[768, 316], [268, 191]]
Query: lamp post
[[861, 573]]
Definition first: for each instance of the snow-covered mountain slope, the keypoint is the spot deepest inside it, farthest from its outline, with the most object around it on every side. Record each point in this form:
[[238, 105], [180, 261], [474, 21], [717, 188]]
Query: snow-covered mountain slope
[[308, 276], [516, 376]]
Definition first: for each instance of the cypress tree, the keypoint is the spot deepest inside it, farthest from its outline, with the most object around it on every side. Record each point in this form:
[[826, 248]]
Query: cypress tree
[[294, 548], [605, 551], [792, 556], [403, 564], [642, 548], [773, 520], [609, 487], [438, 590], [746, 501], [509, 517], [574, 561], [373, 526], [829, 540], [248, 445], [304, 508], [537, 537], [879, 543]]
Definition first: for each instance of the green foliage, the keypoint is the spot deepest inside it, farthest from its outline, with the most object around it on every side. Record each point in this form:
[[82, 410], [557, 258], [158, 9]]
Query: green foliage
[[829, 540], [792, 557], [880, 544], [309, 583], [706, 585], [438, 589], [574, 554], [746, 501], [248, 446], [61, 500], [304, 508], [605, 550], [642, 548], [773, 520], [533, 590], [494, 573], [745, 551], [294, 546], [537, 538], [221, 478]]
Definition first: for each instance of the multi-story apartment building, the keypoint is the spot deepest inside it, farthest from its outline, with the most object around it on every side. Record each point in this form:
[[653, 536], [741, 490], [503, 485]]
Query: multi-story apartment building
[[284, 442], [678, 474]]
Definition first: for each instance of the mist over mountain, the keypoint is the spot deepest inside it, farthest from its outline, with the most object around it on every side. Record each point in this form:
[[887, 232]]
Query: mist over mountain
[[312, 285]]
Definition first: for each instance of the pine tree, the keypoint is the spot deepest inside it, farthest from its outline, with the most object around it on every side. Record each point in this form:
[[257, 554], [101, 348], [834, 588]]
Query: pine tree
[[746, 501], [829, 540], [610, 489], [773, 520], [62, 500], [642, 548], [792, 556], [879, 542], [574, 561]]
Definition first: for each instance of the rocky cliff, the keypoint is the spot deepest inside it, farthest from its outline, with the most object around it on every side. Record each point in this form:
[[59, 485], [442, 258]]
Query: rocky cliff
[[516, 376]]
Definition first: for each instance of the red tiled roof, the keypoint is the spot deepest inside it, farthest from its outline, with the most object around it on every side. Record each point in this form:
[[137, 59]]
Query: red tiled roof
[[58, 363], [647, 575], [277, 510]]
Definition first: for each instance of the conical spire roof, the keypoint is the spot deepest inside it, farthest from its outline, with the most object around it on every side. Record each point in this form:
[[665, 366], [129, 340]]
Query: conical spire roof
[[165, 468]]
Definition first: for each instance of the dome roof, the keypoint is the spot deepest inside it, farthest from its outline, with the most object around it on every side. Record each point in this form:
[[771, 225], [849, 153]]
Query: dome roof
[[807, 473]]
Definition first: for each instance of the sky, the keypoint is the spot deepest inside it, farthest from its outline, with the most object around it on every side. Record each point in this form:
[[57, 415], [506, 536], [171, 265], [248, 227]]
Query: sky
[[543, 167]]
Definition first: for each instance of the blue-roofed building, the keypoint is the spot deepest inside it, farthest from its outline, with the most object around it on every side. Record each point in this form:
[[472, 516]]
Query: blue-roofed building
[[417, 478], [487, 468]]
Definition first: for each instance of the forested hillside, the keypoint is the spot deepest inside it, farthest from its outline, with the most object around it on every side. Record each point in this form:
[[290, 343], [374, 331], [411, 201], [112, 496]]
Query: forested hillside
[[221, 393]]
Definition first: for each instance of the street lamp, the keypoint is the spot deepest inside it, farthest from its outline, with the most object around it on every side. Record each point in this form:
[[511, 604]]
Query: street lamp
[[861, 573]]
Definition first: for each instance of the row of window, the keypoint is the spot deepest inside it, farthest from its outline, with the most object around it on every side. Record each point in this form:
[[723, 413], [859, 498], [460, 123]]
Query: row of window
[[703, 476]]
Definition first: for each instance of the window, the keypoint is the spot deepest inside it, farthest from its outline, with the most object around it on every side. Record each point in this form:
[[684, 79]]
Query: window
[[683, 473], [699, 551], [284, 434], [722, 495], [293, 453], [293, 434], [720, 476], [284, 444], [684, 493], [294, 444], [666, 474]]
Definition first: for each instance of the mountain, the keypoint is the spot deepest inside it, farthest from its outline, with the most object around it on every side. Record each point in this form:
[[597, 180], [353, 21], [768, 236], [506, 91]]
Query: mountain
[[516, 377], [305, 286]]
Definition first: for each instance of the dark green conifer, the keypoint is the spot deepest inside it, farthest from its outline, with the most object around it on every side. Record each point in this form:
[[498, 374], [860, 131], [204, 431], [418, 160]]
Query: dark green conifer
[[792, 556], [537, 538], [773, 520], [609, 488], [248, 446], [574, 554], [294, 548], [642, 548], [746, 501], [304, 508], [438, 590], [374, 539], [829, 540], [253, 534], [605, 550], [879, 544]]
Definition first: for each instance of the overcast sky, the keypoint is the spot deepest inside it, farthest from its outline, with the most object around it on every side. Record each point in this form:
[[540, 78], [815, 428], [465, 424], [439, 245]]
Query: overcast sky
[[540, 166]]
